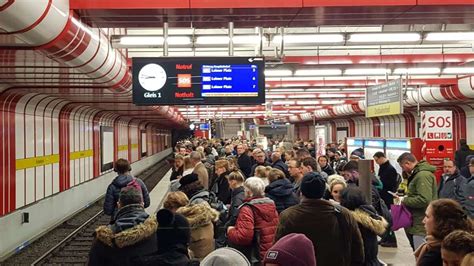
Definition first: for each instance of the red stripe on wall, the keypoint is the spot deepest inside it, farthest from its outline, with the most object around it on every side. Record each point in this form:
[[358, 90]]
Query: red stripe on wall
[[376, 123], [36, 23], [351, 127], [116, 136]]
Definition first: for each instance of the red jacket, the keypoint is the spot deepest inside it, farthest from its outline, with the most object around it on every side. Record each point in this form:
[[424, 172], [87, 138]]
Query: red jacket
[[264, 217]]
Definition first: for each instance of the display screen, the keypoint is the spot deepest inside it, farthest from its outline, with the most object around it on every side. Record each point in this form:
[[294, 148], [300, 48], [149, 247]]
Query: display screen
[[204, 126], [198, 80]]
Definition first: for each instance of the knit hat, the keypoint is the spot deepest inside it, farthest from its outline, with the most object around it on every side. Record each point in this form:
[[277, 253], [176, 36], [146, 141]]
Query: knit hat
[[339, 153], [292, 249], [225, 257], [172, 229], [131, 194], [188, 179], [313, 186]]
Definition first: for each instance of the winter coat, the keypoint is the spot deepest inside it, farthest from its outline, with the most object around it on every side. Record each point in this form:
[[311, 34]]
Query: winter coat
[[221, 188], [262, 215], [450, 187], [202, 173], [421, 191], [113, 190], [252, 172], [133, 234], [429, 254], [199, 197], [316, 218], [370, 225], [176, 256], [176, 172], [468, 193], [461, 155], [237, 198], [200, 217], [281, 192], [245, 164], [388, 175], [328, 170], [280, 165]]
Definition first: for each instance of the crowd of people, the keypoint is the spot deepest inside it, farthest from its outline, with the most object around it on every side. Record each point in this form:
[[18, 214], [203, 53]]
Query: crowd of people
[[232, 202]]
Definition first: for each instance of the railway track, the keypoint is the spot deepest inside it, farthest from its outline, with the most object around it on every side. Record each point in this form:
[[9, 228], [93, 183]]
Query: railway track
[[74, 248]]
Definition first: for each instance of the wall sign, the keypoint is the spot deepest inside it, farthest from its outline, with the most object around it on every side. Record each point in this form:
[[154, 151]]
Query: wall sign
[[384, 99]]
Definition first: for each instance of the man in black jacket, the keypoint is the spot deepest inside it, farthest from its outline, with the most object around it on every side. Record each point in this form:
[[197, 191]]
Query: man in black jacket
[[388, 175], [243, 160], [278, 163], [461, 154]]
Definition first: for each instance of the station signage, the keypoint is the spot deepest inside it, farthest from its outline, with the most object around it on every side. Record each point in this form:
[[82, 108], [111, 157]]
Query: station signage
[[198, 80], [384, 99]]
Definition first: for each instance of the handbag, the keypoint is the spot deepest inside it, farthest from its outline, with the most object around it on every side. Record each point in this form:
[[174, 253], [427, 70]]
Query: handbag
[[401, 217]]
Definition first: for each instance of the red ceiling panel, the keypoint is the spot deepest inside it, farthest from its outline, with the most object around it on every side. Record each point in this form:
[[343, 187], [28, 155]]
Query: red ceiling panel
[[121, 4], [445, 2], [322, 3], [246, 3]]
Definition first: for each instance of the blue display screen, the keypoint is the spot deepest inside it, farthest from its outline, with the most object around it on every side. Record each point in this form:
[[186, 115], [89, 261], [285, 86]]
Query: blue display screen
[[204, 126], [404, 144], [229, 80], [373, 143]]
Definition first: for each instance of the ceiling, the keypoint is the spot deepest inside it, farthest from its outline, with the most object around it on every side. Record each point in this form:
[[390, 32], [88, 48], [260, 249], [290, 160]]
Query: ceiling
[[302, 75]]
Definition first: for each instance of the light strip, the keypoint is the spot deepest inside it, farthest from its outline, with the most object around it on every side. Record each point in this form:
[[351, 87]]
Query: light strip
[[450, 36], [270, 96], [278, 72], [141, 40], [384, 37], [419, 71], [331, 102], [307, 102], [458, 70], [309, 38], [248, 39], [366, 71], [218, 39], [318, 72], [322, 90]]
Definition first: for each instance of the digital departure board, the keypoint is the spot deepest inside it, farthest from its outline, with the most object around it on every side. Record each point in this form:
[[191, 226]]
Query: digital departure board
[[198, 81]]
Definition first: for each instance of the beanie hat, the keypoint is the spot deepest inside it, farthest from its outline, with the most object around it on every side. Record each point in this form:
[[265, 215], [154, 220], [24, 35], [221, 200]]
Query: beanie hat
[[131, 194], [188, 179], [225, 257], [292, 249], [172, 229], [339, 153], [313, 186]]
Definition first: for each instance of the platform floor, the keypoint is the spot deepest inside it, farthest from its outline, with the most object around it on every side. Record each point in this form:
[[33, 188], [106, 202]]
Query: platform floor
[[401, 256]]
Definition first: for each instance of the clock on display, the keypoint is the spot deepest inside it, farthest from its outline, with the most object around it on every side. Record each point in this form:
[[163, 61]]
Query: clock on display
[[152, 77]]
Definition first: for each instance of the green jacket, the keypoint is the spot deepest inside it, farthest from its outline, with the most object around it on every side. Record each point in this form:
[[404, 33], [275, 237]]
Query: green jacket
[[422, 189]]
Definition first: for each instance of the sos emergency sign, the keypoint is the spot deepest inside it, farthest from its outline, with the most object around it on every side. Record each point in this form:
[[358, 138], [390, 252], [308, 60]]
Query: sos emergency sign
[[438, 125]]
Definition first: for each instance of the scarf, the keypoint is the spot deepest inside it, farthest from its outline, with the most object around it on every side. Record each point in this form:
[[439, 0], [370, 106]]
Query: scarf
[[431, 243]]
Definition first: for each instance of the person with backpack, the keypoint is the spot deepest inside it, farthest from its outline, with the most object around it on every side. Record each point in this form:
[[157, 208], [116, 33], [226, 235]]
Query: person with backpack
[[390, 180], [255, 228], [122, 168]]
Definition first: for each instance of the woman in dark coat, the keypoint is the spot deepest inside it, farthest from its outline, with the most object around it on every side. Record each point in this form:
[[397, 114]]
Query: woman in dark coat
[[178, 167], [236, 183], [370, 223], [280, 190], [325, 166], [220, 185]]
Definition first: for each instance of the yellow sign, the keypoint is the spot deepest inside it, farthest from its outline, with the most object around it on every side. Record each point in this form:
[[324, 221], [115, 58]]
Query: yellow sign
[[81, 154], [135, 146], [383, 109], [36, 161], [123, 147]]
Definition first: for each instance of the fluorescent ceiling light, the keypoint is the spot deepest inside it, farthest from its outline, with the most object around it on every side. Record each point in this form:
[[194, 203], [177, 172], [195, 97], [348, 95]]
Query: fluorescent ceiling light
[[270, 96], [309, 38], [295, 84], [278, 72], [353, 89], [332, 102], [217, 39], [356, 95], [141, 40], [247, 39], [450, 36], [421, 70], [307, 102], [283, 102], [286, 90], [179, 40], [367, 71], [297, 111], [458, 70], [322, 90], [384, 37], [332, 95], [318, 72], [301, 95]]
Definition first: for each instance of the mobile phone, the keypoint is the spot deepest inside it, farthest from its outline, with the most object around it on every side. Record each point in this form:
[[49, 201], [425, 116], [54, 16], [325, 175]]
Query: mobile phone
[[392, 193]]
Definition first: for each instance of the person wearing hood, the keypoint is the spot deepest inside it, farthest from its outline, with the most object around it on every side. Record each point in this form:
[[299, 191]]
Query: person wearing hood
[[280, 190], [258, 213], [201, 218], [173, 236], [194, 190], [421, 190], [325, 166], [370, 223], [132, 233], [462, 153], [122, 167]]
